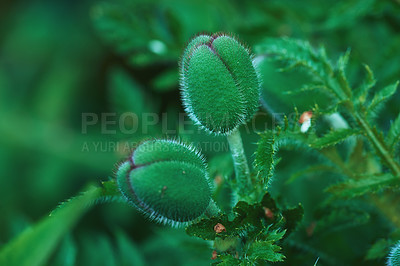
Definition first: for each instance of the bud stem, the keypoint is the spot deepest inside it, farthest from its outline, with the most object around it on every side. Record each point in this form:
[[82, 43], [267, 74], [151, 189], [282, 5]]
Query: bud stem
[[240, 163]]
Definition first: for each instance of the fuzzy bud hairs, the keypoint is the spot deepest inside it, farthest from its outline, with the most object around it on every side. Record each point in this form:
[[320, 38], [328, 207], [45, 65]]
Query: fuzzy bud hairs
[[167, 181], [219, 84]]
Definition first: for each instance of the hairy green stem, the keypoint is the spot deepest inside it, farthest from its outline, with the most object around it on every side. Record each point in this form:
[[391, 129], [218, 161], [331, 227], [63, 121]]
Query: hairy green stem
[[380, 148], [240, 163]]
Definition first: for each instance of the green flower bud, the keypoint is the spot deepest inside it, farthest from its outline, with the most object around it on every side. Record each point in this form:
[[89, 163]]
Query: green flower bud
[[219, 84], [394, 256], [166, 180]]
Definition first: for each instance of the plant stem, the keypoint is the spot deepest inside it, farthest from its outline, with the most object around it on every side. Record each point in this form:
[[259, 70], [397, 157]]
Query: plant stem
[[380, 148], [240, 163]]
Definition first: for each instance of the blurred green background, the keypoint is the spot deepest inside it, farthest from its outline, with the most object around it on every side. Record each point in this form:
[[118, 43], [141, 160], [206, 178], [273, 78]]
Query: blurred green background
[[61, 60]]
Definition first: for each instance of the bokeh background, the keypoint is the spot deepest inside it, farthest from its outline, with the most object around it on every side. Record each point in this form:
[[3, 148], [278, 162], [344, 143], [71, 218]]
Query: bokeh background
[[60, 60]]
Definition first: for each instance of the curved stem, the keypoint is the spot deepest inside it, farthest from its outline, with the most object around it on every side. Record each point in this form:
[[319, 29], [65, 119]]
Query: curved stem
[[240, 163]]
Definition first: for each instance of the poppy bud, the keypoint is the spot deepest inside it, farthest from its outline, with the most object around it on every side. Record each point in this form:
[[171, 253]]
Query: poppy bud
[[166, 180], [219, 84]]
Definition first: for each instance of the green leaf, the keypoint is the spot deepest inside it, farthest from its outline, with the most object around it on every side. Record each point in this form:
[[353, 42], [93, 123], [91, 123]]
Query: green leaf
[[264, 161], [268, 202], [205, 228], [365, 184], [306, 88], [298, 53], [267, 250], [275, 235], [393, 136], [381, 97], [341, 71], [333, 137], [295, 52], [293, 217], [247, 218], [379, 249], [67, 253], [361, 94], [262, 250], [35, 245], [227, 260]]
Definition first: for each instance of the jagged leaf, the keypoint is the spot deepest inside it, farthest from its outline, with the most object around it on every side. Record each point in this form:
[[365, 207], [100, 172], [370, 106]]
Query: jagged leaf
[[298, 53], [267, 250], [295, 52], [381, 97], [306, 88], [268, 202], [341, 71], [365, 184], [361, 94], [293, 218], [248, 215], [393, 136], [334, 137], [205, 228], [264, 161], [226, 260], [249, 218]]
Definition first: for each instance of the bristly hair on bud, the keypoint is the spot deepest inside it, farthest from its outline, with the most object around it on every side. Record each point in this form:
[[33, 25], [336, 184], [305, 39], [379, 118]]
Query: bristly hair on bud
[[394, 255], [220, 86], [167, 181]]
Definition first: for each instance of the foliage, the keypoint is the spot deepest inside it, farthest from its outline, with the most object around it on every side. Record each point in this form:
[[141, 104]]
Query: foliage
[[83, 83], [255, 229]]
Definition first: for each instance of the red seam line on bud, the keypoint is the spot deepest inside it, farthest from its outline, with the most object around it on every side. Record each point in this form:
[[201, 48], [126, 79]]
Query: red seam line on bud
[[210, 45], [137, 201]]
